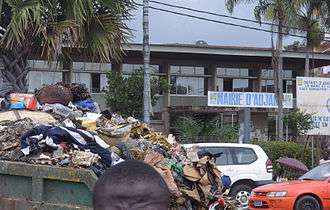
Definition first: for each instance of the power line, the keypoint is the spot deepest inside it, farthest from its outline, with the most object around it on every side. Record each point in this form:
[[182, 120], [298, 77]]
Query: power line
[[228, 16], [230, 24]]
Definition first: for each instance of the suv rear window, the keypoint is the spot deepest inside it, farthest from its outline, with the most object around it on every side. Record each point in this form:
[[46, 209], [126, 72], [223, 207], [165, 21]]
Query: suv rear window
[[226, 157], [244, 155]]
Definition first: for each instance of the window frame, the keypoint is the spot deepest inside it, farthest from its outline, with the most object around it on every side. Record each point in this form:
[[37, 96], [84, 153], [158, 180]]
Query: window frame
[[233, 152], [219, 147]]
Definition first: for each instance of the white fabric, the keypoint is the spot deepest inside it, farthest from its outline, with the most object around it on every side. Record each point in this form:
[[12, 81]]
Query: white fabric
[[75, 135], [100, 142]]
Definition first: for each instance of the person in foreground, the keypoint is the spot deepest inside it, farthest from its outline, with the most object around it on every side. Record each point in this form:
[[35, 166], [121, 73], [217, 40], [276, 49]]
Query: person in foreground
[[131, 185]]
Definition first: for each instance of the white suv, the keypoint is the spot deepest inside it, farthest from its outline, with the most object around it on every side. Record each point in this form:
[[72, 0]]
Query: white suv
[[247, 165]]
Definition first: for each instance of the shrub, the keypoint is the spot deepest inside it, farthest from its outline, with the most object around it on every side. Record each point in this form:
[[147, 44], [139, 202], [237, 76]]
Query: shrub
[[193, 130], [278, 149]]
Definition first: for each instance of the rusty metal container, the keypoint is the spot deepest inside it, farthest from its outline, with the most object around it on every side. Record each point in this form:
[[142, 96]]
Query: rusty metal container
[[39, 187]]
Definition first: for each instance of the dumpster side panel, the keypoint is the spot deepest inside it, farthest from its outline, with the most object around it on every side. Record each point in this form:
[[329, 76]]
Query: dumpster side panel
[[17, 186], [39, 187], [67, 193]]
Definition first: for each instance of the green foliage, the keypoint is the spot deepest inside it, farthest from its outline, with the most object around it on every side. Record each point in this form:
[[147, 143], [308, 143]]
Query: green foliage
[[193, 130], [278, 149], [300, 122], [124, 95], [295, 46], [188, 129], [95, 25]]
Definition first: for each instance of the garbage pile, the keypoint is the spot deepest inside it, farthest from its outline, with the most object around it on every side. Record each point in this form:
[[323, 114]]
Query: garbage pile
[[80, 136]]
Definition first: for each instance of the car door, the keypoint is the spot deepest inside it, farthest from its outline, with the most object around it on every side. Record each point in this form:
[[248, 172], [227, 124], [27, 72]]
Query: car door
[[225, 162], [245, 159]]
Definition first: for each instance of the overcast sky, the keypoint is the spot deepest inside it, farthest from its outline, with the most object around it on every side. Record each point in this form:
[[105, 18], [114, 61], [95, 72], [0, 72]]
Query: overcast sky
[[171, 28]]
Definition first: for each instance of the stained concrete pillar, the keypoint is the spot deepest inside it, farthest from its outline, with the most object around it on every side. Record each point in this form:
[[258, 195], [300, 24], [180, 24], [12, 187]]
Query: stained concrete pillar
[[166, 68], [68, 75], [212, 81], [117, 67]]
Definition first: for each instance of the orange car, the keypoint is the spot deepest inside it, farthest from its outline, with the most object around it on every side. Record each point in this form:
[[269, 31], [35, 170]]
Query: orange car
[[310, 192]]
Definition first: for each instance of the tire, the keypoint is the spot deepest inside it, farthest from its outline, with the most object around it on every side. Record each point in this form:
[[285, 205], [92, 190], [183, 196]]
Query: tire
[[241, 194], [307, 203]]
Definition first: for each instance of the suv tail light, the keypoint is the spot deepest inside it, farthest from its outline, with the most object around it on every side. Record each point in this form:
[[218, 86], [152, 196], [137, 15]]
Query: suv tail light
[[269, 166]]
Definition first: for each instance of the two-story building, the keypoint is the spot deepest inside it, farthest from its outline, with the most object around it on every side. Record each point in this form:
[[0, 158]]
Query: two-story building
[[192, 70]]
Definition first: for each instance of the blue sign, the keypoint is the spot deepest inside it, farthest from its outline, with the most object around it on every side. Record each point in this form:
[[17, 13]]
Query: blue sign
[[247, 99]]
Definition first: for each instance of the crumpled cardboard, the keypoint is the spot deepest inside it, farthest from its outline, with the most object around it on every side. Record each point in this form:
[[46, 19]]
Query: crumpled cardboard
[[81, 158], [191, 173]]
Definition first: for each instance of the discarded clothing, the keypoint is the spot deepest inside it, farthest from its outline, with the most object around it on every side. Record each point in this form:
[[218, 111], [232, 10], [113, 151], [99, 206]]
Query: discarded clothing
[[37, 138]]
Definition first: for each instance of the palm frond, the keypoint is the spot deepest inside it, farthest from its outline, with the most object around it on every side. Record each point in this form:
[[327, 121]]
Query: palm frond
[[230, 4], [25, 15], [103, 35]]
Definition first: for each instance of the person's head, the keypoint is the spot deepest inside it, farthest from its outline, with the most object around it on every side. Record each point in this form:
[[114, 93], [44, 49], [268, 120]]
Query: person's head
[[132, 185]]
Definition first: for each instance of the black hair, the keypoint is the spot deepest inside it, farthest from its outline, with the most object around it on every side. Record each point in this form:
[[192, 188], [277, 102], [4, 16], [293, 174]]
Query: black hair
[[132, 185]]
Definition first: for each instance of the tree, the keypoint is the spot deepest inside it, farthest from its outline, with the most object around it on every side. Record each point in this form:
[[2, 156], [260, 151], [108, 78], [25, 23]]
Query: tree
[[299, 122], [96, 27], [312, 19], [124, 95], [295, 46], [279, 12]]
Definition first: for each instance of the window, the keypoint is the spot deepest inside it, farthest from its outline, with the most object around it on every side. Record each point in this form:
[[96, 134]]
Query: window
[[187, 70], [287, 74], [244, 155], [225, 158], [87, 66], [219, 84], [288, 86], [104, 82], [228, 84], [82, 78], [240, 85], [267, 86], [221, 71], [233, 72], [267, 73], [96, 83], [189, 83]]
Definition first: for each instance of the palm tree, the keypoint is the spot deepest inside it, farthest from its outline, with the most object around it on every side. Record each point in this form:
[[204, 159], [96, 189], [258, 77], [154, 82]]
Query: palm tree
[[53, 27], [279, 12], [313, 18]]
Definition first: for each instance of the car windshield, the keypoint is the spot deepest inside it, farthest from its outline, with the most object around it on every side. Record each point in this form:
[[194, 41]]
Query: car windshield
[[320, 172]]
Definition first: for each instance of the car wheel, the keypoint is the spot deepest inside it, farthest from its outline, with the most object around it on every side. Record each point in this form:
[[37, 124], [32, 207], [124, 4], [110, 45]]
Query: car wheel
[[241, 194], [307, 203]]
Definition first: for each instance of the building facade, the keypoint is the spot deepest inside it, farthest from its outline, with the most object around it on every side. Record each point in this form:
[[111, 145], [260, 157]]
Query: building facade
[[192, 71]]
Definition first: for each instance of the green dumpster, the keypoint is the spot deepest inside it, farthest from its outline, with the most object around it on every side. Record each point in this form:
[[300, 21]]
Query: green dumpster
[[40, 187]]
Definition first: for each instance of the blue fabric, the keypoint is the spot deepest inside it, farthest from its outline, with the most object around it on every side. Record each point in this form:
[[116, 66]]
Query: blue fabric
[[226, 181]]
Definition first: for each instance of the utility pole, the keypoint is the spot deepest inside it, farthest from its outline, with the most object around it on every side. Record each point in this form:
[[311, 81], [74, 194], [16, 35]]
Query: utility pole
[[146, 62], [280, 77]]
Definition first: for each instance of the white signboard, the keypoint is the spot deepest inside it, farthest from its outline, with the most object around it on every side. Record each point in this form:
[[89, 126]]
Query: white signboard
[[313, 96], [247, 99]]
